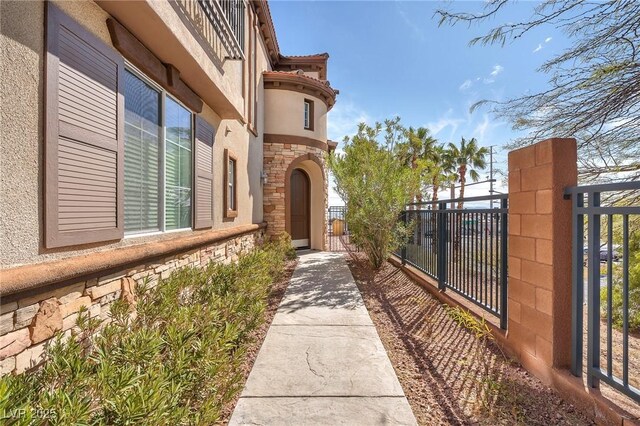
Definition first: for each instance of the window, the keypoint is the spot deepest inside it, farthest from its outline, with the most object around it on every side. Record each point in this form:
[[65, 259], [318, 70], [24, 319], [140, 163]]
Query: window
[[308, 114], [156, 198], [230, 181], [178, 139], [142, 131]]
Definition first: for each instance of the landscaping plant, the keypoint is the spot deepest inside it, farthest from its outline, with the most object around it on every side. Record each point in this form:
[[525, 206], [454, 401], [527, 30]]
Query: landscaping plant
[[174, 360], [375, 184], [634, 289]]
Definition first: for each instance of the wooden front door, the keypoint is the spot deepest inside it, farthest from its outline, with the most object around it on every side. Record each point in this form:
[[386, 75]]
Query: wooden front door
[[300, 208]]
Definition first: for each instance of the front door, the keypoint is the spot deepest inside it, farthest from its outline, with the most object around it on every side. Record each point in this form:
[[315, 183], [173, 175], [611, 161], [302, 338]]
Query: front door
[[300, 207]]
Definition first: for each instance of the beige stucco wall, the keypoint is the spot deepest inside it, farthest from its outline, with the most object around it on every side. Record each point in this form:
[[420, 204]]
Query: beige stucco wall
[[285, 114], [22, 144]]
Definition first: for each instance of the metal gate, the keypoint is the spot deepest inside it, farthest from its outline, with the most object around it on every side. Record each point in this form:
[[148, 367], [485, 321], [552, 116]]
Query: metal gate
[[606, 261], [338, 237]]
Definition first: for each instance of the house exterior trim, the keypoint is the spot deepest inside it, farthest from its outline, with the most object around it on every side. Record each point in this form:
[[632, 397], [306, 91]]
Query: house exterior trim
[[298, 82], [287, 185], [29, 277], [298, 140], [166, 75]]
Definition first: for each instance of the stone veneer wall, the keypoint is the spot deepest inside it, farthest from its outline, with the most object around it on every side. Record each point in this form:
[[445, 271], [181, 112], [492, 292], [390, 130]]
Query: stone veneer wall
[[277, 158], [28, 324]]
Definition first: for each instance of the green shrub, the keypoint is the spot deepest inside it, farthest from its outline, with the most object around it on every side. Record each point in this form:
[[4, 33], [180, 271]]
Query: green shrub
[[175, 360], [375, 184], [616, 299], [634, 289]]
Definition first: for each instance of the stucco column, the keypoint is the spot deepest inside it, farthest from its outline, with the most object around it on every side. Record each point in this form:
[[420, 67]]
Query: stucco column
[[539, 305]]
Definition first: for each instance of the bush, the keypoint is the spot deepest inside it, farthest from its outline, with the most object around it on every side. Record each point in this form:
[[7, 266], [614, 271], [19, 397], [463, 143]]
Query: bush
[[634, 289], [375, 184], [616, 299], [175, 360]]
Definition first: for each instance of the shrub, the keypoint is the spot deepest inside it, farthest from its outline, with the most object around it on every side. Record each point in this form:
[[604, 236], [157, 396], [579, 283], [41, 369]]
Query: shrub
[[616, 299], [375, 184], [174, 360]]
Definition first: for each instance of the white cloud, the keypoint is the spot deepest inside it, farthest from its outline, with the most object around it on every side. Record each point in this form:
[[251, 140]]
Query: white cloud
[[481, 128], [415, 29], [497, 69], [466, 85], [343, 120], [540, 46], [445, 122]]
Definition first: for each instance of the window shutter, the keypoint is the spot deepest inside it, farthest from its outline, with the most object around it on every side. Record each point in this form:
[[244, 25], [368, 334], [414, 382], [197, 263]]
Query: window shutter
[[84, 139], [203, 185]]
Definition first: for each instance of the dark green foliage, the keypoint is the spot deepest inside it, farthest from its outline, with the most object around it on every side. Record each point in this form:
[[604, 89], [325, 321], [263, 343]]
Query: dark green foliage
[[634, 289], [175, 361]]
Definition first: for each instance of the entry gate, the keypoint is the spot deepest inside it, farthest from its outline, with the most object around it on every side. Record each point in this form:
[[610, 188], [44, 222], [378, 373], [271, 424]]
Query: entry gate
[[338, 237]]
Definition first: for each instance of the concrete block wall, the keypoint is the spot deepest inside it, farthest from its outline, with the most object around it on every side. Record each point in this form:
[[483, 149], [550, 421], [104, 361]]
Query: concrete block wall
[[539, 264], [30, 322]]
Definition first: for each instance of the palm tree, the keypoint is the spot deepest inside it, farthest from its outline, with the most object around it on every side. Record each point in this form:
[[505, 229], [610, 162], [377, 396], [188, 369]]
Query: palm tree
[[440, 174], [469, 157], [415, 152]]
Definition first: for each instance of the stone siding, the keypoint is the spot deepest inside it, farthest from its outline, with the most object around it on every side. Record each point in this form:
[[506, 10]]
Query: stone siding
[[277, 158], [28, 324]]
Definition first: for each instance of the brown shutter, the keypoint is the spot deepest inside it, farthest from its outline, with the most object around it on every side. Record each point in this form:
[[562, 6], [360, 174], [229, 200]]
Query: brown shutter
[[84, 141], [203, 185]]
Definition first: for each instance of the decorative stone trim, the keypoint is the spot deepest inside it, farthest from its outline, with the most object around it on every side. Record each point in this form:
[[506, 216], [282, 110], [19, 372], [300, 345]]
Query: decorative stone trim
[[295, 140], [29, 277], [27, 331], [280, 158]]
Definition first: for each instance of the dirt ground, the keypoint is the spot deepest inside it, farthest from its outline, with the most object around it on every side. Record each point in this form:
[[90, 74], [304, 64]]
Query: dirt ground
[[449, 374], [257, 337]]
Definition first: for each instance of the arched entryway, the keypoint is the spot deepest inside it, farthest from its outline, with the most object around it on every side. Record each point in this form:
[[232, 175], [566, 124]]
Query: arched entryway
[[305, 202], [300, 213]]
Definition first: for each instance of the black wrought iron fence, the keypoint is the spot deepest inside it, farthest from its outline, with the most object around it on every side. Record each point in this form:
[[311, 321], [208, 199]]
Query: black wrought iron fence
[[338, 235], [464, 249], [612, 299]]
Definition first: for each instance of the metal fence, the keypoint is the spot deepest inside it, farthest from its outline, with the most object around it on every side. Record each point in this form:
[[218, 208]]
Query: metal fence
[[608, 224], [464, 249], [338, 236]]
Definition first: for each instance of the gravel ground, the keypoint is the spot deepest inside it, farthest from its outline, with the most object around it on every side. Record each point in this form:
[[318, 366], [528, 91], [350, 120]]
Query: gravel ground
[[449, 374], [257, 337]]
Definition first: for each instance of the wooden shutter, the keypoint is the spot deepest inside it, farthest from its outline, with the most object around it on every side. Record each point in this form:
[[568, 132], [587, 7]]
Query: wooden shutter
[[84, 140], [203, 185]]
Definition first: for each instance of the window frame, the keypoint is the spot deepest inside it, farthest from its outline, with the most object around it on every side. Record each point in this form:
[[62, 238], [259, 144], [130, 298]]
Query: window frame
[[229, 212], [308, 126], [128, 66]]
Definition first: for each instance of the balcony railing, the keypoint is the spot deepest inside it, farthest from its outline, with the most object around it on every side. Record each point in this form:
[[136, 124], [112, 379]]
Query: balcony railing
[[228, 19]]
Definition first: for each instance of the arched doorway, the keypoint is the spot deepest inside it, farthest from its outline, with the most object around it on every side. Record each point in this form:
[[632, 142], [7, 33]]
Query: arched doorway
[[300, 210]]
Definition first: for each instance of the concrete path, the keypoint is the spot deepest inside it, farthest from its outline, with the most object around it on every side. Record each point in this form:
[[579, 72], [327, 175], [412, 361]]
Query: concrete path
[[322, 362]]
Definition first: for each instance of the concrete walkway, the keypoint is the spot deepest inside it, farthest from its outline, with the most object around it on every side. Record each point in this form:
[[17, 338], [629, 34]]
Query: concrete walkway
[[322, 362]]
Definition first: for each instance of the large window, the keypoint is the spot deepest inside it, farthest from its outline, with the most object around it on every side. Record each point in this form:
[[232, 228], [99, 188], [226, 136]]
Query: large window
[[143, 129], [157, 198]]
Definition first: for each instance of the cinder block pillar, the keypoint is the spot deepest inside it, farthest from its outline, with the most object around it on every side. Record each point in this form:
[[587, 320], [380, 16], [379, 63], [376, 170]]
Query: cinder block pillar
[[539, 305]]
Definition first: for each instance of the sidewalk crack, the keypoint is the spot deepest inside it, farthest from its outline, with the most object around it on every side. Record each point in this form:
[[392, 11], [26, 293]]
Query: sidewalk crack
[[309, 364]]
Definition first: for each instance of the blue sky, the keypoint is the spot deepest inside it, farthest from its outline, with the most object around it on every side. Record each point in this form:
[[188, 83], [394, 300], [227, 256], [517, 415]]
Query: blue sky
[[390, 58]]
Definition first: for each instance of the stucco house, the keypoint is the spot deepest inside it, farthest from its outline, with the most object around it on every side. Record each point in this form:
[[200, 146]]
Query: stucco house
[[143, 136]]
